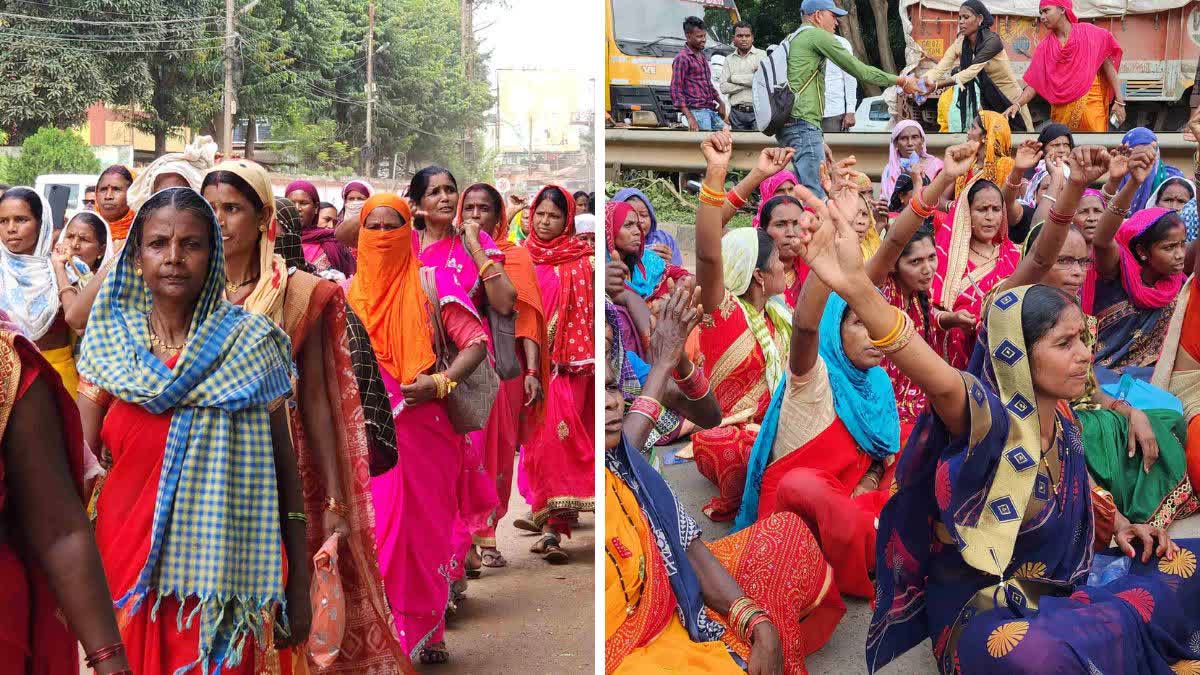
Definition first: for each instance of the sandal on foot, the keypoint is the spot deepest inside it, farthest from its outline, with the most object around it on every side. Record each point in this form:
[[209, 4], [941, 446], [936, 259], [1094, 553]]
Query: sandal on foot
[[547, 546], [526, 523], [492, 558], [472, 563], [434, 654]]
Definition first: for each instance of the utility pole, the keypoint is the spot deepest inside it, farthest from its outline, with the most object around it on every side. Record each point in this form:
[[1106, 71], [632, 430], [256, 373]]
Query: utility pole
[[368, 154], [227, 117], [467, 54]]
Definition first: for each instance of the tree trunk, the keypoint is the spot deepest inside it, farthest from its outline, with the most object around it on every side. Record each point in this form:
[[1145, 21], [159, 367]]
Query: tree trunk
[[160, 142], [851, 29], [884, 41], [251, 137], [215, 128]]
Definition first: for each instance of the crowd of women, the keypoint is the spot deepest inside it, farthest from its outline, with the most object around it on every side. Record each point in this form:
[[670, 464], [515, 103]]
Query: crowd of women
[[971, 398], [271, 408]]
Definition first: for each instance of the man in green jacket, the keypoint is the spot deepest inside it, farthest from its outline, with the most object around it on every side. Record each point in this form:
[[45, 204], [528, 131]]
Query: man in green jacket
[[809, 50]]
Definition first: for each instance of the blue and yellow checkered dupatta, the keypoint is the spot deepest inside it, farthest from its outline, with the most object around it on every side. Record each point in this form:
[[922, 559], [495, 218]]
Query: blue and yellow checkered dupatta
[[216, 533]]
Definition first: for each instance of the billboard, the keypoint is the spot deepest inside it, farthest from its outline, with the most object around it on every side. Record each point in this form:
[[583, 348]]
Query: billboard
[[537, 109]]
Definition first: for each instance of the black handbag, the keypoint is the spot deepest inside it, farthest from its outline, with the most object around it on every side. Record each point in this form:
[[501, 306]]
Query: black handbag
[[470, 402], [504, 343]]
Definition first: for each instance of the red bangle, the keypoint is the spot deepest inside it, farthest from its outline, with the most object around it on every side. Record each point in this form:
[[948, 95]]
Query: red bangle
[[761, 618], [735, 199], [918, 206], [695, 386], [532, 372], [1059, 218], [647, 407], [103, 654]]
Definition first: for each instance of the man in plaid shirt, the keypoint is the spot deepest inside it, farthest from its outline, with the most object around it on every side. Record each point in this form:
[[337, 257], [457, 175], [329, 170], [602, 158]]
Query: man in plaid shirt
[[692, 90]]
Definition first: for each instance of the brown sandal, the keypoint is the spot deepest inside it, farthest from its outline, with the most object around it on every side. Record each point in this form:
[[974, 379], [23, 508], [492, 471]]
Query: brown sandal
[[473, 563], [548, 547], [492, 558], [434, 654]]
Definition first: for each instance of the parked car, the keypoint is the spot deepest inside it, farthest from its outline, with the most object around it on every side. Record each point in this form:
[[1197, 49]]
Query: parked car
[[872, 116]]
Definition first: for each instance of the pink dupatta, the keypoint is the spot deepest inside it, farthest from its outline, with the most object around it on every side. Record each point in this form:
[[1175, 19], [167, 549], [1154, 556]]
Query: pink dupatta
[[1064, 74], [1142, 296]]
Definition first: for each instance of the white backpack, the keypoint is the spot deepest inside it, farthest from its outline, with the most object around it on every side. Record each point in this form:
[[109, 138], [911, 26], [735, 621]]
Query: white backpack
[[772, 93]]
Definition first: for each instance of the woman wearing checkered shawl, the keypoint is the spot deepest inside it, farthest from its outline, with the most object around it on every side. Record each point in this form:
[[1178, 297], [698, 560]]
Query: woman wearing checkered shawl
[[184, 391], [327, 428]]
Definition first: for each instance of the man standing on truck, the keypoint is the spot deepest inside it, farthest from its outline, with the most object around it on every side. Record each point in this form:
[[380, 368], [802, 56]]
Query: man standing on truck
[[809, 50], [738, 77], [692, 90]]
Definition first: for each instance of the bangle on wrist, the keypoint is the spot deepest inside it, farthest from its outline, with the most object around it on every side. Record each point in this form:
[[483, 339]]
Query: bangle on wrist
[[103, 654], [298, 516]]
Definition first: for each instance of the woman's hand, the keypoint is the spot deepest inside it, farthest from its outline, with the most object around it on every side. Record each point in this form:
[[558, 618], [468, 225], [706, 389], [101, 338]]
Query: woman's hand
[[773, 160], [766, 652], [59, 257], [676, 318], [615, 274], [421, 390], [332, 522], [1141, 435], [661, 250], [533, 390], [1193, 126], [470, 232], [1118, 163], [833, 252], [1012, 111], [1154, 540], [868, 483], [299, 611], [1027, 156], [917, 171], [717, 149], [962, 319], [1118, 109], [1088, 164], [958, 160], [1141, 161]]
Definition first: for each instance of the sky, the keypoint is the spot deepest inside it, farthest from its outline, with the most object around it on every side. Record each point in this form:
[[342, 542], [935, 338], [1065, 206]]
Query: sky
[[535, 33]]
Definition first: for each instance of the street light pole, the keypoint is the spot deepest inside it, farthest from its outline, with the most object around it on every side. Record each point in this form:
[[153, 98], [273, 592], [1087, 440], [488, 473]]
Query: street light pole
[[227, 115], [367, 154]]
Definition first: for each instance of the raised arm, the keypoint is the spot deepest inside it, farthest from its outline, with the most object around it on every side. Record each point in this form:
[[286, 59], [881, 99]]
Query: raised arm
[[958, 161], [1087, 165], [770, 162], [1107, 252], [717, 149], [834, 255], [1027, 156]]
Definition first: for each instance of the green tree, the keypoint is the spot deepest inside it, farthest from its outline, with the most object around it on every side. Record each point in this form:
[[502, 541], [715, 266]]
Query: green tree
[[50, 150], [312, 147]]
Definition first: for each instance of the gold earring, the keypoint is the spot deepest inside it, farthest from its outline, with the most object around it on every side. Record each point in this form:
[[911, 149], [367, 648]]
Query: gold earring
[[262, 228], [137, 271]]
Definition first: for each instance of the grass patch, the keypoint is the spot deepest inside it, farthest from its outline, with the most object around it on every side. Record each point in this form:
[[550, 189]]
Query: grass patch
[[670, 205]]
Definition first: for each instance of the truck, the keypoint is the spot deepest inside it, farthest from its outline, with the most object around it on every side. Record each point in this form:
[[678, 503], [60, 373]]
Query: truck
[[642, 38], [1160, 39]]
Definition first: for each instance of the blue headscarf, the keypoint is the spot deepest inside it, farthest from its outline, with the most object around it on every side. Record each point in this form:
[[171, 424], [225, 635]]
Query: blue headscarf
[[864, 399], [864, 402], [1159, 173], [644, 278], [655, 235]]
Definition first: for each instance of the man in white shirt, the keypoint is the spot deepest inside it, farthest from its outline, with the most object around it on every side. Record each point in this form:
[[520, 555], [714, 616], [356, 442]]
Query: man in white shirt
[[841, 95], [737, 78]]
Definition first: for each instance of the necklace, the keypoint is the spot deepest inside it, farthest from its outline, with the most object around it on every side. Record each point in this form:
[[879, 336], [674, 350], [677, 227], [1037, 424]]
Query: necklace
[[989, 255], [158, 343], [232, 287], [641, 575]]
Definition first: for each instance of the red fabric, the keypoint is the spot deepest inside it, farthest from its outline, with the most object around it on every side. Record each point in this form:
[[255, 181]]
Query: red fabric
[[561, 460], [815, 482], [800, 596], [501, 437], [125, 512], [721, 456], [575, 306], [792, 293], [33, 637], [673, 273], [615, 215], [910, 399], [1065, 74]]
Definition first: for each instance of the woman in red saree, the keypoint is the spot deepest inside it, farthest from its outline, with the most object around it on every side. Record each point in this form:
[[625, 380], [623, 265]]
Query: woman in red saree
[[561, 459], [521, 396], [328, 428], [47, 550], [782, 230], [974, 254], [744, 335], [186, 392]]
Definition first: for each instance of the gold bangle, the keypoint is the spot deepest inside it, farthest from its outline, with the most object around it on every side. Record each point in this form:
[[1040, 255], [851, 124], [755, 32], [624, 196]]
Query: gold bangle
[[901, 341], [486, 265], [899, 325], [337, 508]]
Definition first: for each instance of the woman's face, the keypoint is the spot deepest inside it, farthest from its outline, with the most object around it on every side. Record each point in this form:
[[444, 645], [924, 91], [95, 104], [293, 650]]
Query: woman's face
[[81, 242], [1087, 216], [916, 267], [784, 188], [968, 22], [614, 408], [306, 206], [1060, 360], [18, 226], [784, 229], [169, 180], [174, 255], [110, 197], [440, 200], [629, 236], [904, 198], [1058, 148], [383, 218], [862, 220], [1071, 268], [239, 221], [987, 215], [909, 141], [1051, 16], [1166, 255], [643, 214], [478, 206], [857, 343], [355, 196], [975, 133], [772, 275], [327, 218], [549, 222], [581, 204], [1174, 197]]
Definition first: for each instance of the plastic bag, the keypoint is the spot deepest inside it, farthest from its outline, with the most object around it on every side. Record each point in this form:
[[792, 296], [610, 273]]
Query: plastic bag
[[328, 605]]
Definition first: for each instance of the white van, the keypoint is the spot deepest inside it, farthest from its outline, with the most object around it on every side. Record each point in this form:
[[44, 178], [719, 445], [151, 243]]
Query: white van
[[56, 187]]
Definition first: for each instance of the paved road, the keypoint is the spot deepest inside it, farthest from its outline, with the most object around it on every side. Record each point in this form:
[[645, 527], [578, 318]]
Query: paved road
[[844, 653], [530, 617]]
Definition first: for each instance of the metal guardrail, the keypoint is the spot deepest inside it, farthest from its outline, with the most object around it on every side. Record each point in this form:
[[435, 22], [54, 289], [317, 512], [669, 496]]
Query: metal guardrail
[[680, 150]]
